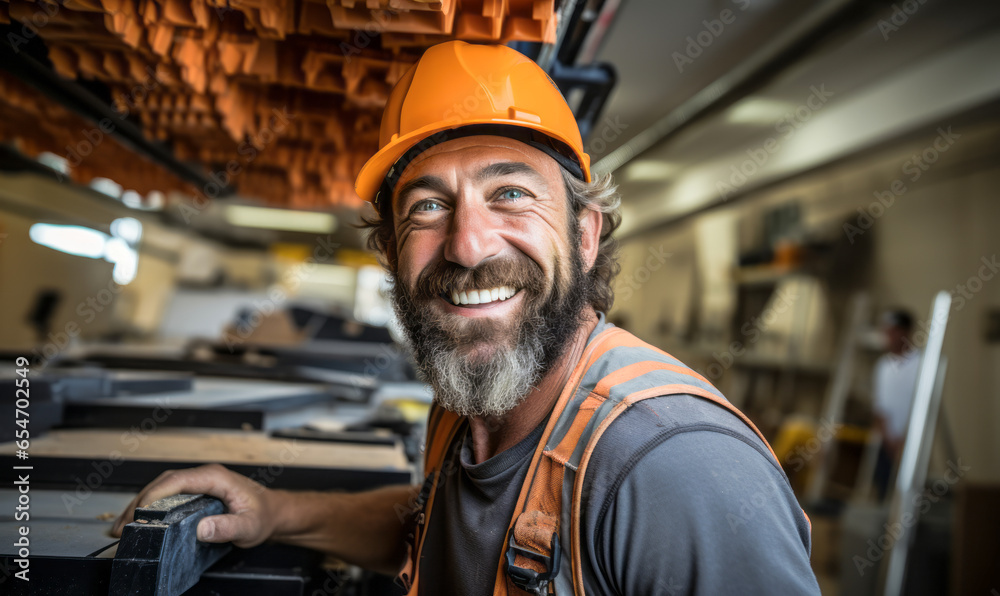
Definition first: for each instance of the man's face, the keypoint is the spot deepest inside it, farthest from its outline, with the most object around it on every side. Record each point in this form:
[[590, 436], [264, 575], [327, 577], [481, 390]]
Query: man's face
[[489, 275], [895, 338]]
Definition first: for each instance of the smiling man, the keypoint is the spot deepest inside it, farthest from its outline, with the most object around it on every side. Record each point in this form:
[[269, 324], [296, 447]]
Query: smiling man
[[563, 454]]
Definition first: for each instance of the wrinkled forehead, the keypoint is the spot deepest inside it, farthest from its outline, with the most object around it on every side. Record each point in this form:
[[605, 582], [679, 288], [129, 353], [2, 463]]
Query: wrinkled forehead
[[464, 157]]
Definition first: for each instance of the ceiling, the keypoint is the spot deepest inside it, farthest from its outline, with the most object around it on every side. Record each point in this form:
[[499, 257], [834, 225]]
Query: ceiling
[[286, 96], [280, 99], [884, 81]]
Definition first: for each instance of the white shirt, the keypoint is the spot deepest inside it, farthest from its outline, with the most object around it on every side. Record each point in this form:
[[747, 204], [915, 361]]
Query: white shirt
[[895, 381]]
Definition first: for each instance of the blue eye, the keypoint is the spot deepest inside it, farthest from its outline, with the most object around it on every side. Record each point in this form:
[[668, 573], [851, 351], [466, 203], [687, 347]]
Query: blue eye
[[512, 194], [427, 206]]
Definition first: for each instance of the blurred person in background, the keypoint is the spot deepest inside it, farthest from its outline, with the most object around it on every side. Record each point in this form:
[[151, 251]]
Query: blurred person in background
[[894, 381]]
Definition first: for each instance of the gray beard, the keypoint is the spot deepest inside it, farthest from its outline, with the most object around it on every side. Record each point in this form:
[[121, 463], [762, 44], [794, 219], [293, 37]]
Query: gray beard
[[523, 351], [490, 388]]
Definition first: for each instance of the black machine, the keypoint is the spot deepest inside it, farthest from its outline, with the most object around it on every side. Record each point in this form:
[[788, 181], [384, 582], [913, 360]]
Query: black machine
[[104, 426]]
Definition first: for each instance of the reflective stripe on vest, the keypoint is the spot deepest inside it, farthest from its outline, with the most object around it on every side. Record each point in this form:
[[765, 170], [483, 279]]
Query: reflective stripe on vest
[[615, 371]]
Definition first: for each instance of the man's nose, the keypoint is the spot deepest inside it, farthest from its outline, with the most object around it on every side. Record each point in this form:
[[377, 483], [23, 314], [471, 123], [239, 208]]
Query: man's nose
[[473, 236]]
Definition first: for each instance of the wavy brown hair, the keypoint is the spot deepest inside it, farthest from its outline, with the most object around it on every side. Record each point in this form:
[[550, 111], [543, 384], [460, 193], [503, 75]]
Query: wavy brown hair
[[601, 195]]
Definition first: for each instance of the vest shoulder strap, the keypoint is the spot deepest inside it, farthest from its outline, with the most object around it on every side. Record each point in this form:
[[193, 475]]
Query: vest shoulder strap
[[544, 532], [442, 427], [540, 553]]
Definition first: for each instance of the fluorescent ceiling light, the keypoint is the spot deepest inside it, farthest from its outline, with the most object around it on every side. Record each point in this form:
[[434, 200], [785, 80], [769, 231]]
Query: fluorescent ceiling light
[[72, 240], [758, 110], [128, 229], [80, 241], [649, 171], [107, 186], [281, 219], [56, 162], [132, 199]]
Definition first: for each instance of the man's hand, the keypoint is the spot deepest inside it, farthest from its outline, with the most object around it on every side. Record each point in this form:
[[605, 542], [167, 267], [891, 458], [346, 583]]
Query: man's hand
[[249, 522], [361, 528]]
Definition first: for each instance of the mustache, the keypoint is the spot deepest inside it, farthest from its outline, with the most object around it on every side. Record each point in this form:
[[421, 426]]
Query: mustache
[[515, 272]]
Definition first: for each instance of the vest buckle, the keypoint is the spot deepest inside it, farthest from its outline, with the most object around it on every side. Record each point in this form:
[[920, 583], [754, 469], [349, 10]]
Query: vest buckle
[[531, 580]]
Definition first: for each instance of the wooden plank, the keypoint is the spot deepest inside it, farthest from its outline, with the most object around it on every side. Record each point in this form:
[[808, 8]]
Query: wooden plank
[[208, 446]]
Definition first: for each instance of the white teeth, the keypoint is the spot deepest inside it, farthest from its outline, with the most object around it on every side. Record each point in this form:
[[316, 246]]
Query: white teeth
[[482, 296]]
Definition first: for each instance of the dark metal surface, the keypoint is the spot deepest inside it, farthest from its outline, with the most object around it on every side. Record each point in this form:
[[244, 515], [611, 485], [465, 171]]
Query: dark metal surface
[[73, 473], [329, 436], [128, 416], [159, 553], [79, 563], [83, 383], [595, 82], [57, 576], [346, 385]]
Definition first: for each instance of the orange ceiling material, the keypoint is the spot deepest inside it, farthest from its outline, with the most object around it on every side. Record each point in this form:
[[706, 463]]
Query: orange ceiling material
[[36, 125], [279, 98]]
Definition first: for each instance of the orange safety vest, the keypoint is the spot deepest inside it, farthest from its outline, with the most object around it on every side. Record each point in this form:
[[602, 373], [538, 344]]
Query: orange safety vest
[[540, 549]]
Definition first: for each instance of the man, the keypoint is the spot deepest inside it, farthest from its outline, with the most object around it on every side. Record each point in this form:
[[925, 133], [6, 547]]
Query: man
[[894, 383], [562, 452]]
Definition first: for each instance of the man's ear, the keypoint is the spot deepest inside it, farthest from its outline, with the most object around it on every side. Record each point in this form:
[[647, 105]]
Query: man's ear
[[590, 236]]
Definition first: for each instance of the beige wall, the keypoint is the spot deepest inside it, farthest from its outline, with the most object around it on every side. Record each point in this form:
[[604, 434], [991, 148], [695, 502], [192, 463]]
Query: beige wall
[[89, 300], [933, 237], [93, 308]]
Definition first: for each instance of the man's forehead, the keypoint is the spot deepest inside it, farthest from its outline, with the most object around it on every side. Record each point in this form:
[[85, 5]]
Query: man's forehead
[[475, 152]]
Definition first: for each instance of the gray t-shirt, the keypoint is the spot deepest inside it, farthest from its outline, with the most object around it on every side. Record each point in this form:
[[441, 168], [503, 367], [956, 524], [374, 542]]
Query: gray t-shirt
[[680, 498]]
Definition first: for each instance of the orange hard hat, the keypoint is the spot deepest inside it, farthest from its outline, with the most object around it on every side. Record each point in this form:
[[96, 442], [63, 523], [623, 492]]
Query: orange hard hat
[[459, 89]]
